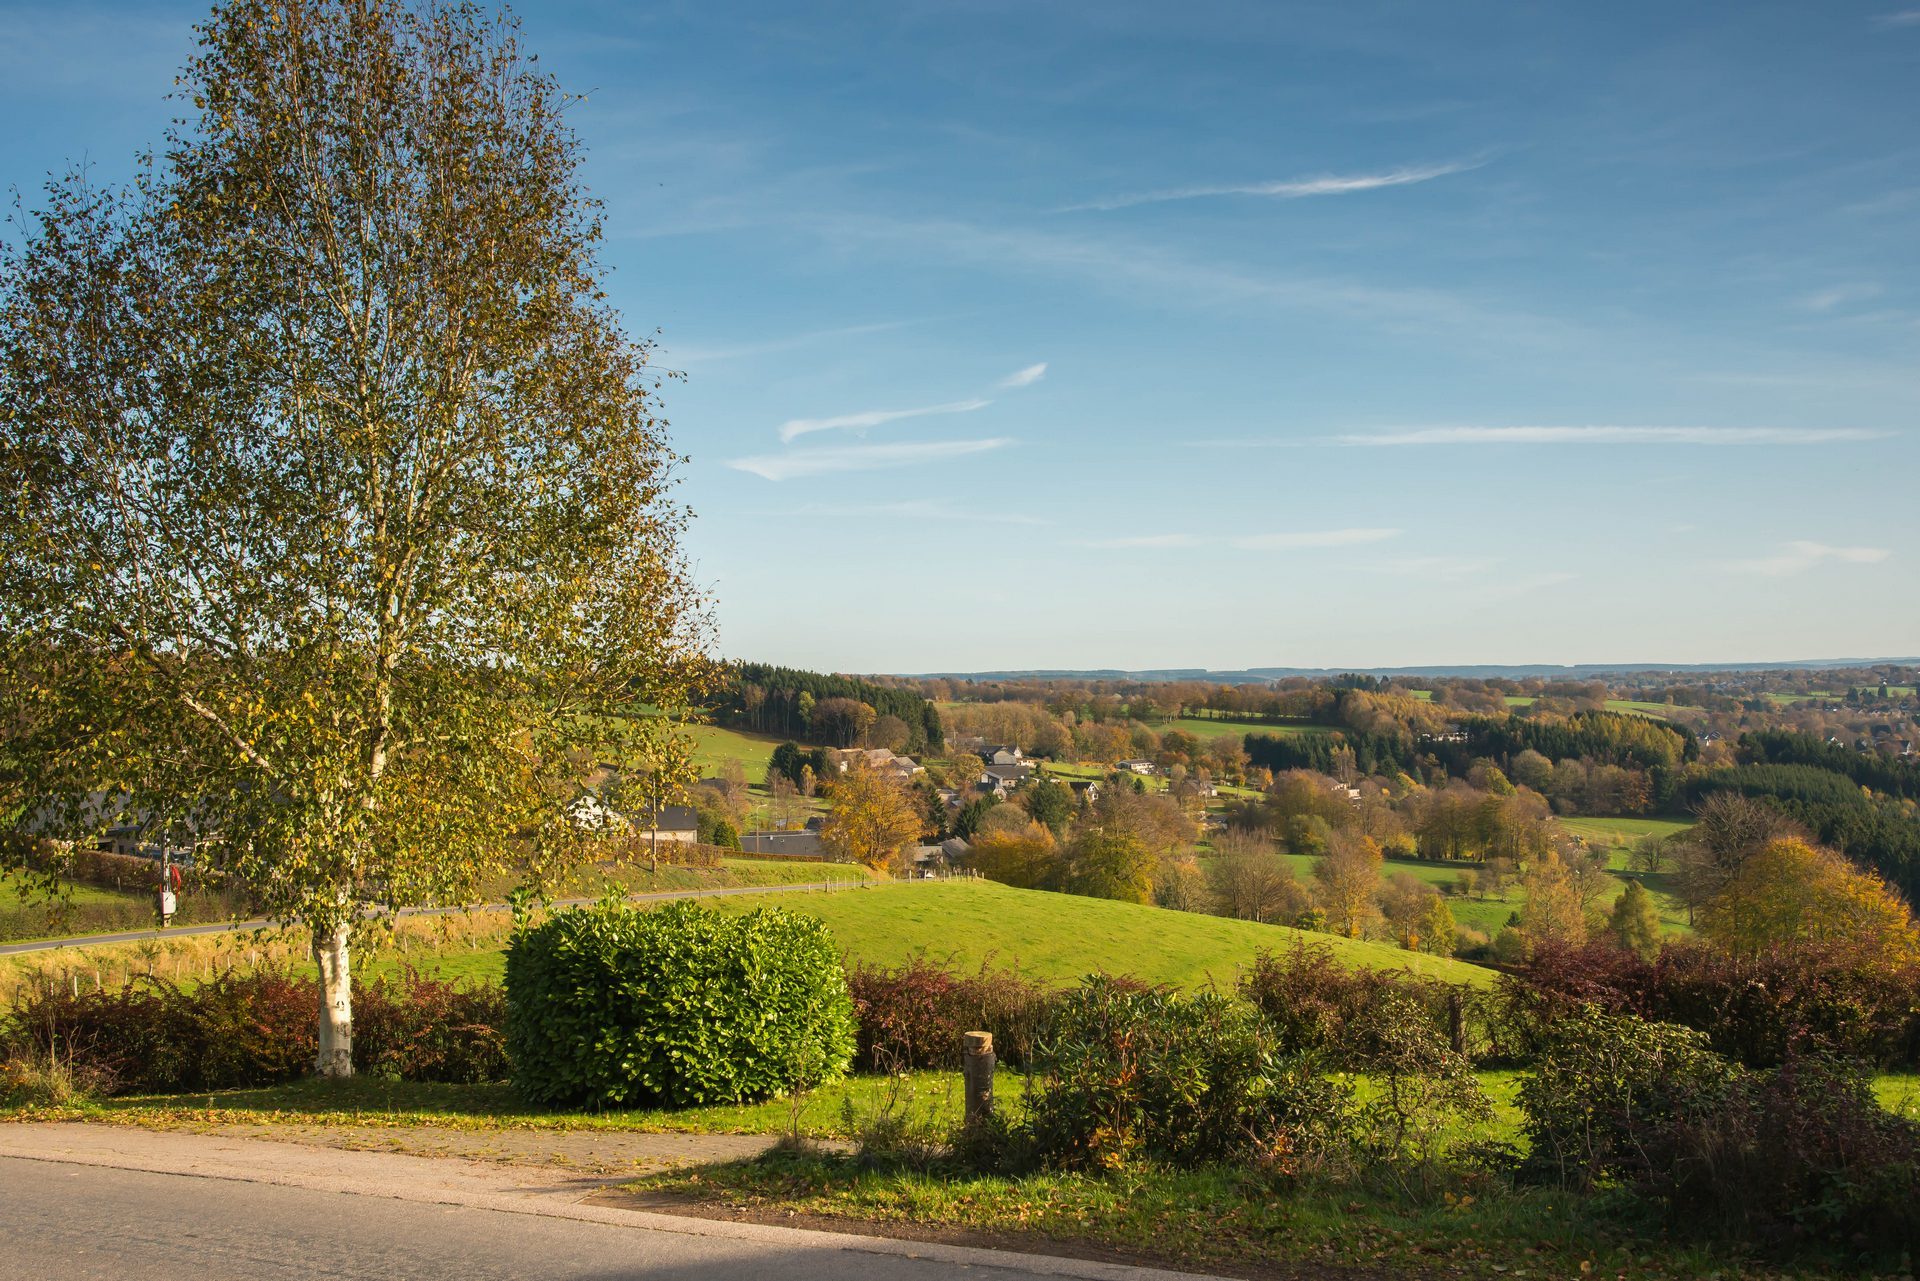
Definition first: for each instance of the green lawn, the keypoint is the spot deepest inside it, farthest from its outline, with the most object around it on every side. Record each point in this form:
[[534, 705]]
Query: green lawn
[[1057, 937], [965, 923], [1619, 830], [1636, 705], [717, 744], [13, 894], [1207, 727]]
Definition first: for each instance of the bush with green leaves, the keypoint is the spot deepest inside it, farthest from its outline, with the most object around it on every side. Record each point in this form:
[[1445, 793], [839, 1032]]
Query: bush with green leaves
[[1129, 1074], [1610, 1093], [608, 1006]]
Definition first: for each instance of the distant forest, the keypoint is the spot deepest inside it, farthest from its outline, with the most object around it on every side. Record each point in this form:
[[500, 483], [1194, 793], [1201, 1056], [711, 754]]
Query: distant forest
[[841, 711]]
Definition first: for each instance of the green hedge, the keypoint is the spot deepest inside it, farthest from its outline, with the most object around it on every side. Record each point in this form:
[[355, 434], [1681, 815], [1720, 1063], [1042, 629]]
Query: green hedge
[[679, 1006]]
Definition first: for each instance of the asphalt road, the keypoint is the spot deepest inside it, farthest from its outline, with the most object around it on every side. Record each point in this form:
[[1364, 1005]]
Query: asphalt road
[[86, 1202], [228, 927], [82, 1223]]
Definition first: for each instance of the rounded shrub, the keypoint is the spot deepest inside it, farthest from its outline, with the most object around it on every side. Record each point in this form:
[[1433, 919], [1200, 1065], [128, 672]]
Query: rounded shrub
[[612, 1007]]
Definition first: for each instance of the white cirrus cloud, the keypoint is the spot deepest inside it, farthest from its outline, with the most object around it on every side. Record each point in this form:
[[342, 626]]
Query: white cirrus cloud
[[1610, 436], [1898, 18], [1840, 296], [1802, 554], [1025, 377], [825, 460], [794, 428], [1283, 189]]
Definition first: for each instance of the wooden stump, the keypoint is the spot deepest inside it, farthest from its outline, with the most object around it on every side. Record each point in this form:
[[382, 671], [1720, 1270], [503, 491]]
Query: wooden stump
[[977, 1062]]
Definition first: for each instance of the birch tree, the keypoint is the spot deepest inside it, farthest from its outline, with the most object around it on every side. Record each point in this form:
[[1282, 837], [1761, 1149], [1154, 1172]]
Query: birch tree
[[343, 539]]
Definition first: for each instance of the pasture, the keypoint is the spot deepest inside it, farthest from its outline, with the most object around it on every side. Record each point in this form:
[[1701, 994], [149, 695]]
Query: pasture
[[1208, 727], [963, 923]]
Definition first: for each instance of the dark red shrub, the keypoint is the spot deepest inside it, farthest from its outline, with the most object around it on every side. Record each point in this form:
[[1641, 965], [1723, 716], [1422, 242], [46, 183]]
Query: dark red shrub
[[914, 1016], [1757, 1010], [427, 1029], [1312, 1003], [152, 1036]]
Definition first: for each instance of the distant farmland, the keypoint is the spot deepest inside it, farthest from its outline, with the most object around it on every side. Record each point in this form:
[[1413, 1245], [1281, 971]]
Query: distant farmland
[[1208, 727]]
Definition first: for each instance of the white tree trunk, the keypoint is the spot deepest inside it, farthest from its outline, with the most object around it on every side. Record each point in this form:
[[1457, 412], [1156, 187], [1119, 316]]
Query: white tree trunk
[[336, 1004]]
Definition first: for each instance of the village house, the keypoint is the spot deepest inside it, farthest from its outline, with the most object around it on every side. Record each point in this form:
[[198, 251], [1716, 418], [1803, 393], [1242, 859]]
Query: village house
[[1002, 779], [1138, 766], [679, 823], [803, 845], [881, 761]]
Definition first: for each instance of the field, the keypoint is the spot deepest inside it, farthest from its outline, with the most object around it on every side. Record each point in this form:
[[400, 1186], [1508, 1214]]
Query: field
[[717, 744], [1612, 704], [1623, 830], [967, 923], [14, 895], [1489, 915], [1830, 695], [1058, 937], [1205, 727]]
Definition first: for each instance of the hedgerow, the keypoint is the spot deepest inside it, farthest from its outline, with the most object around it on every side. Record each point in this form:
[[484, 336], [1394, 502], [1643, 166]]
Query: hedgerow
[[679, 1006]]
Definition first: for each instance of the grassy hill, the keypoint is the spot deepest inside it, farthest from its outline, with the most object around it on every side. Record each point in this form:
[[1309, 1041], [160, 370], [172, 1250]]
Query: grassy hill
[[966, 924], [1052, 936]]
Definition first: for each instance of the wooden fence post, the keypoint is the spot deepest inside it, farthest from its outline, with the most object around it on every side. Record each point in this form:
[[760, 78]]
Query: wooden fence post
[[977, 1064]]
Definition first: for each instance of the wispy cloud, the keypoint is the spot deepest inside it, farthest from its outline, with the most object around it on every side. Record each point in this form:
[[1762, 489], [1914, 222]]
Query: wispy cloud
[[1801, 555], [1284, 189], [820, 462], [1250, 542], [1898, 18], [797, 427], [1025, 377], [1840, 296], [1136, 268], [1610, 436]]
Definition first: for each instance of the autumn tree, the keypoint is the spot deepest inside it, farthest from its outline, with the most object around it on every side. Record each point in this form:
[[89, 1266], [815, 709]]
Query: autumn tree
[[1635, 921], [1437, 932], [339, 533], [1252, 882], [1020, 856], [1347, 880], [841, 721], [1728, 829], [783, 799], [1107, 864], [1407, 904], [1553, 910], [870, 819], [1793, 894], [889, 732]]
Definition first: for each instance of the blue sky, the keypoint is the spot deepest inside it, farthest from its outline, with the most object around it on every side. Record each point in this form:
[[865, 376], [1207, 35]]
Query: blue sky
[[1225, 335]]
